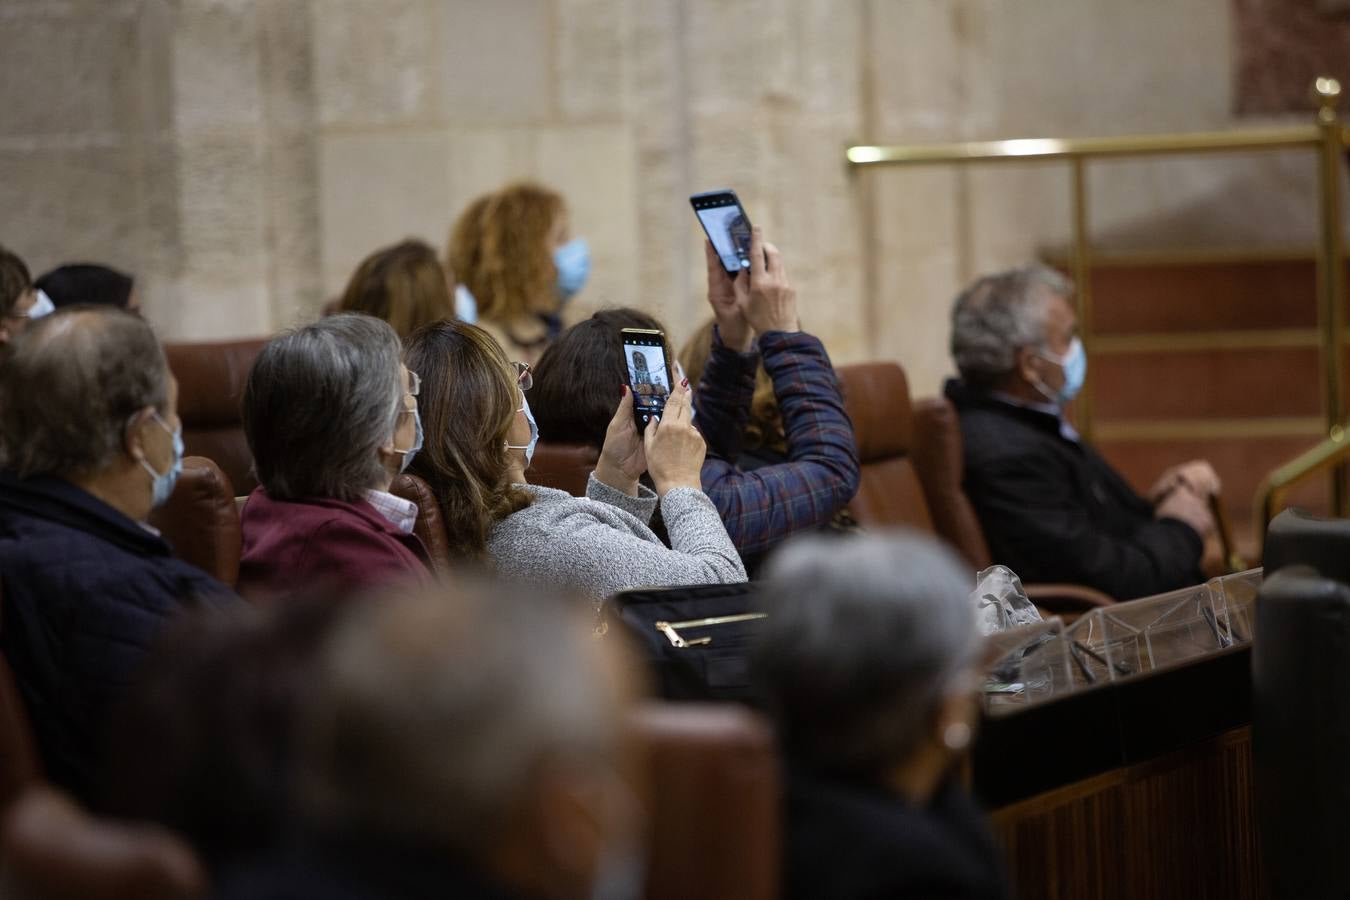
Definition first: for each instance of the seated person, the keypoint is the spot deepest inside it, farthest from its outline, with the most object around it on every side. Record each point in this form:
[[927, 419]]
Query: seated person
[[868, 665], [403, 284], [463, 746], [20, 302], [1051, 509], [330, 414], [518, 265], [85, 284], [89, 444], [482, 438]]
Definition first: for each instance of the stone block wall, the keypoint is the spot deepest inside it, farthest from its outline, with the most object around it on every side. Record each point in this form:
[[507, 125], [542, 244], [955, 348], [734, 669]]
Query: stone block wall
[[241, 156]]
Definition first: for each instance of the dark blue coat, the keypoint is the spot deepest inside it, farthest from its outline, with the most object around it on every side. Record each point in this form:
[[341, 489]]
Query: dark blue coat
[[85, 592]]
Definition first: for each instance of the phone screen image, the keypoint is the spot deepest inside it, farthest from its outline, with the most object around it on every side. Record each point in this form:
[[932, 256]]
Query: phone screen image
[[648, 375], [728, 228]]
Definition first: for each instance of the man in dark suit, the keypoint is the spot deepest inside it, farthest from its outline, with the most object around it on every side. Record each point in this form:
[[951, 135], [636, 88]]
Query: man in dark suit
[[1051, 508]]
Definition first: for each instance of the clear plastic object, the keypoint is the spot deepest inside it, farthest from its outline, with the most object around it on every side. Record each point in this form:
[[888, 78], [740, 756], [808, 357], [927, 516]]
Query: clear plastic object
[[1029, 665]]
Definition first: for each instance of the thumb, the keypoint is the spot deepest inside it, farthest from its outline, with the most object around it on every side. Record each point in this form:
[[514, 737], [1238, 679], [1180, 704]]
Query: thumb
[[625, 410]]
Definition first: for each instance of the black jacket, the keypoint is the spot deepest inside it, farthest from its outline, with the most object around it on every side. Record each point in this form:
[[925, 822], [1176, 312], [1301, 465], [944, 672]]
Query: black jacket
[[1053, 510], [85, 591], [853, 841]]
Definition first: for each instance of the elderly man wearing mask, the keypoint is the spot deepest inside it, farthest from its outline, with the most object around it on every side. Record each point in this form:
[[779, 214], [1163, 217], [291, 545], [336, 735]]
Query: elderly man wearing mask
[[1051, 508], [89, 444]]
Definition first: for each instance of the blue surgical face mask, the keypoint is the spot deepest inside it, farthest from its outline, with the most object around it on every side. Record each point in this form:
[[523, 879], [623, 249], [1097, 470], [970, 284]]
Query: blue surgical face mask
[[409, 453], [1074, 364], [162, 483], [573, 262], [466, 307], [42, 306], [534, 432]]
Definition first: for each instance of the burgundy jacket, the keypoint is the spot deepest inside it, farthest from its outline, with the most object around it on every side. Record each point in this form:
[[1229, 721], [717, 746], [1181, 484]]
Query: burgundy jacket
[[310, 543]]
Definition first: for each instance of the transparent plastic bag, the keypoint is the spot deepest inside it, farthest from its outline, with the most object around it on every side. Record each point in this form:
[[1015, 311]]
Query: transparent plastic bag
[[1000, 601]]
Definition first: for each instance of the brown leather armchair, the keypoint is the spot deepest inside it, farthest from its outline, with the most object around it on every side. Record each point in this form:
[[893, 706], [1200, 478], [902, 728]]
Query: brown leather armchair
[[211, 379], [201, 520], [565, 467], [876, 396], [712, 792], [53, 850], [940, 460], [430, 527]]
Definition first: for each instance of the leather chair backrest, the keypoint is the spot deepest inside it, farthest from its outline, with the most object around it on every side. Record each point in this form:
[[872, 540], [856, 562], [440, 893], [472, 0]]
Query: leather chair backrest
[[201, 520], [1301, 732], [54, 851], [876, 396], [565, 467], [940, 459], [20, 766], [430, 527], [211, 379], [712, 786]]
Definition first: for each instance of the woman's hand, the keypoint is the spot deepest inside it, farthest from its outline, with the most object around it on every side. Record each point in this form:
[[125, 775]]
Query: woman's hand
[[728, 296], [675, 449], [623, 458]]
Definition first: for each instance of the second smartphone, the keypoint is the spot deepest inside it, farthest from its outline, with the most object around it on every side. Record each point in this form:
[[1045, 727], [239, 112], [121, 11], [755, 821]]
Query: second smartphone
[[727, 226], [649, 375]]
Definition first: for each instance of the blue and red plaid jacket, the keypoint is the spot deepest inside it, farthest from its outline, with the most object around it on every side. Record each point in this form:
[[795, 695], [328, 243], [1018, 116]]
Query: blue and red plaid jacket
[[763, 506]]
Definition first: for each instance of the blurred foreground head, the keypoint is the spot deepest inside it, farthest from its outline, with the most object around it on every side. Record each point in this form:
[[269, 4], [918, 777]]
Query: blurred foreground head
[[476, 722]]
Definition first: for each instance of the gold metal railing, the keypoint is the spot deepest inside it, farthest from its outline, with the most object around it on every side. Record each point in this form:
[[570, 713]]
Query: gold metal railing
[[1327, 138], [1327, 456]]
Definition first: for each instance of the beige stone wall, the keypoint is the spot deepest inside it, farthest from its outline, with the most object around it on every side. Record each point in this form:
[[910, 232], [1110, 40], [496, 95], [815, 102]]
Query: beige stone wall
[[242, 155]]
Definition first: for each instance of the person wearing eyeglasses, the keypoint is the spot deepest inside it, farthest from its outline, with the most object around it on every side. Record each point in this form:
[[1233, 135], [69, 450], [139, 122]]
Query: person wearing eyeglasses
[[480, 440], [331, 417]]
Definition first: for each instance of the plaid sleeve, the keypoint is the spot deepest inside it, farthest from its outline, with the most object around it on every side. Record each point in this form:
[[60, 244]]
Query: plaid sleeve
[[723, 397], [764, 506]]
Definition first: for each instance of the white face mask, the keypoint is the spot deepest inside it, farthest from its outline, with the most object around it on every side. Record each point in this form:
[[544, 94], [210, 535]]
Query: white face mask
[[42, 306]]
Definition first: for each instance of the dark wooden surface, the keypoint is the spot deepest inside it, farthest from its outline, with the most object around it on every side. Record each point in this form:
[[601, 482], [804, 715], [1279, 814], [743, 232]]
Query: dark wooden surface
[[1138, 789]]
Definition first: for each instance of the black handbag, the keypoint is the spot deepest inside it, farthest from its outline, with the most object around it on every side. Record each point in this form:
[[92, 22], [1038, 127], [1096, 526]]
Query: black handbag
[[695, 640]]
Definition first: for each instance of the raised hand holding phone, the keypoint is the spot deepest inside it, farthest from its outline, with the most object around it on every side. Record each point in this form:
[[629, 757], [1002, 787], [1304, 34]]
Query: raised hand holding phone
[[771, 302], [623, 458], [727, 297], [675, 449]]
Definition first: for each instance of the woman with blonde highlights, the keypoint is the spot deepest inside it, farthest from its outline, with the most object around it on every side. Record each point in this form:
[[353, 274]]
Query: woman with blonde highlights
[[513, 252], [480, 439], [403, 284]]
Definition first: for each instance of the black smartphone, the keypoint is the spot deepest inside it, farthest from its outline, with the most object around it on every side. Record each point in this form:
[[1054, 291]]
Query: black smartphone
[[649, 375], [728, 227]]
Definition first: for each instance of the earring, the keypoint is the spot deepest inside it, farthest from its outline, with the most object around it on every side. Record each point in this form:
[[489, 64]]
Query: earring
[[957, 736]]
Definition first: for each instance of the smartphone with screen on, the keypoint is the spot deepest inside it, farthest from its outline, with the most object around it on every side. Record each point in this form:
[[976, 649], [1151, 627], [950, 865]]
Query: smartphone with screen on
[[649, 374], [727, 226]]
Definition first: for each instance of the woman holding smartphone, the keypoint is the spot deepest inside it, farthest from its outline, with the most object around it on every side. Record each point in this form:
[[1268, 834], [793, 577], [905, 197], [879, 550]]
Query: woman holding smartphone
[[480, 439]]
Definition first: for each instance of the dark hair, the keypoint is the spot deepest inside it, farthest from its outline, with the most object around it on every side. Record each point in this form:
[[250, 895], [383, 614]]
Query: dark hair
[[319, 403], [579, 379], [204, 741], [70, 385], [14, 279], [78, 284], [469, 398], [403, 284]]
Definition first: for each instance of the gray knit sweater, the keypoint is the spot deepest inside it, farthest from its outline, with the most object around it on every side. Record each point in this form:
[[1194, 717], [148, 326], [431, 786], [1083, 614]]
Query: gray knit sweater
[[600, 544]]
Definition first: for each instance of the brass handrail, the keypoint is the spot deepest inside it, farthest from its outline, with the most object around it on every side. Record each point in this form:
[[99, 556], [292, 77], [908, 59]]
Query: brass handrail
[[1270, 494], [1327, 138]]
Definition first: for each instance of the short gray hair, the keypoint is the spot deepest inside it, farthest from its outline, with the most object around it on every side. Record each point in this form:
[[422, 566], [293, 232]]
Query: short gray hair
[[319, 403], [434, 709], [69, 385], [864, 637], [998, 315]]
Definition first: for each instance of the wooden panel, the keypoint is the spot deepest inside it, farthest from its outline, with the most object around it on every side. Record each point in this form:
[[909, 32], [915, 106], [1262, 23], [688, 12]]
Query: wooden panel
[[1204, 295], [1181, 826], [1207, 384]]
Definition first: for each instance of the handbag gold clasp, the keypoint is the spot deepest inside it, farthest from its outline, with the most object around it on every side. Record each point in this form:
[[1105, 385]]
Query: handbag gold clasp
[[671, 629]]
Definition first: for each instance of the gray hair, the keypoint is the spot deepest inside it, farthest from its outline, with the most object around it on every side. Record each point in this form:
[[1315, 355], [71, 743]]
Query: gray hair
[[319, 403], [865, 635], [69, 386], [998, 315], [432, 713]]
